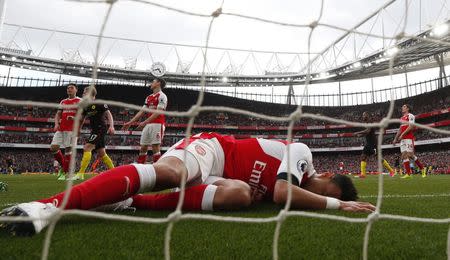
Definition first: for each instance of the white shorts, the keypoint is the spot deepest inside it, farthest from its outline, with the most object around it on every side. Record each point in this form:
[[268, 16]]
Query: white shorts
[[63, 139], [152, 134], [206, 154], [407, 145]]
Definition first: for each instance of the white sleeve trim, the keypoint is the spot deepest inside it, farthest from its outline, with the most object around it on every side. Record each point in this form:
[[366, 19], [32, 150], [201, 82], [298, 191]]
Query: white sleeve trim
[[300, 161]]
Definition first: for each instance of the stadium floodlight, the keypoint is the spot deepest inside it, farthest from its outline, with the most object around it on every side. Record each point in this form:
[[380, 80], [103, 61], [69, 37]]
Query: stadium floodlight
[[323, 74], [381, 60], [225, 79], [391, 52], [3, 57], [440, 30], [13, 58], [357, 64], [24, 60]]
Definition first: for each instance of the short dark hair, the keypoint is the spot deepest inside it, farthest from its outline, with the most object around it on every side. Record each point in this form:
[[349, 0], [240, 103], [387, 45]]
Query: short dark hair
[[72, 84], [162, 82], [348, 190], [409, 107]]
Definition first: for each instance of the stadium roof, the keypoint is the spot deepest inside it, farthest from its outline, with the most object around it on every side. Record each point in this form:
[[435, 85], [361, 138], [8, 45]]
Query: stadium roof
[[408, 55], [346, 58]]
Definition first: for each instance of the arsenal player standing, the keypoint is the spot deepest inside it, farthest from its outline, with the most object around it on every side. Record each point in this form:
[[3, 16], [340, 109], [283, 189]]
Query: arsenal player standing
[[153, 127], [406, 137], [64, 119]]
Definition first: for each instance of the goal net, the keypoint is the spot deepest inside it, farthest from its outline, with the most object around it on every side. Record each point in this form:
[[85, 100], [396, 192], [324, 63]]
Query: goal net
[[298, 114]]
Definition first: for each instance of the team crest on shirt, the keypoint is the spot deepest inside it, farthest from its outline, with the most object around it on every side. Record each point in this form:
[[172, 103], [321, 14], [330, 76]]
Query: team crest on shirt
[[200, 150], [301, 165]]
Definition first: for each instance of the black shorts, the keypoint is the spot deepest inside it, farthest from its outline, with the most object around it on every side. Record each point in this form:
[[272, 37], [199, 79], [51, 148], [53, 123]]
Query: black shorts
[[97, 139], [369, 149]]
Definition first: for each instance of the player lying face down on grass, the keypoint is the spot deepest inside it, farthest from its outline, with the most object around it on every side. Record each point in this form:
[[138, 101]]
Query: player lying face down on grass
[[221, 173]]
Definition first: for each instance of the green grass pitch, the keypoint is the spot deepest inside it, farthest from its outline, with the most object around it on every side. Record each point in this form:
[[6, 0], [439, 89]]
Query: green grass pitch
[[301, 238]]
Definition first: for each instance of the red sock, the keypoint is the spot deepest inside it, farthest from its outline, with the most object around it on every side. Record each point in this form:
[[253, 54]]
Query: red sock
[[66, 162], [142, 158], [109, 187], [407, 167], [418, 163], [193, 198], [156, 157], [59, 157]]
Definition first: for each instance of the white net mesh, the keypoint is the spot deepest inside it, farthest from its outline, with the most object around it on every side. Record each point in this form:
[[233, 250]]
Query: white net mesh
[[197, 108]]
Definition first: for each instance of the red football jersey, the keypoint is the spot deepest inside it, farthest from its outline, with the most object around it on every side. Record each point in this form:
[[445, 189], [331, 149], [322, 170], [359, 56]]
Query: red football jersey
[[258, 161], [68, 114], [407, 118], [157, 101]]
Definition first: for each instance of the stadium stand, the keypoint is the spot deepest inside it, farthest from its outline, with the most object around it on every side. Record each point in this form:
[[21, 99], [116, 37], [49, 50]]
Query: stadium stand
[[31, 127]]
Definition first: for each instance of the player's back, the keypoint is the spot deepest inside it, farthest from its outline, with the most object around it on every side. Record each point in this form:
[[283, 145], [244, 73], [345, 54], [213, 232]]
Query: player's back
[[254, 161]]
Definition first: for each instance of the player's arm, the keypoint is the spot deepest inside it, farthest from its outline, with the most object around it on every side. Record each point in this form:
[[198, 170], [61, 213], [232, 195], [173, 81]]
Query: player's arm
[[396, 137], [134, 119], [162, 104], [148, 120], [299, 164], [110, 118], [363, 132], [82, 121], [304, 199], [57, 118]]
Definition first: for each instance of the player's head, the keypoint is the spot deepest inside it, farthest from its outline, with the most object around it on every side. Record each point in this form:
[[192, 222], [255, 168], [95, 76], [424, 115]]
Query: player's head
[[406, 108], [365, 116], [90, 89], [72, 89], [158, 83], [333, 185]]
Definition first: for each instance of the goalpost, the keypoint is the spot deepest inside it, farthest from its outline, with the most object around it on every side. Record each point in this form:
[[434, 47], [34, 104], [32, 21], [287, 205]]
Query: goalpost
[[298, 114]]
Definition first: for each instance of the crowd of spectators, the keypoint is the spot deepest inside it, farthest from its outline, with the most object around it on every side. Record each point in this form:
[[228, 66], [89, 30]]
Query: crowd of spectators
[[423, 103], [438, 160], [171, 138], [39, 160]]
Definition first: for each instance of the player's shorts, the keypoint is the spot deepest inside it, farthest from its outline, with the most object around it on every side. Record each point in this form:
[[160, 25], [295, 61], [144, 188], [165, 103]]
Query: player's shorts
[[369, 149], [407, 145], [97, 139], [203, 158], [63, 139], [152, 134]]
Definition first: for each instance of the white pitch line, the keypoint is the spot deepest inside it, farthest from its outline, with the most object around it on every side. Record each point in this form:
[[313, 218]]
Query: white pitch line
[[408, 196]]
